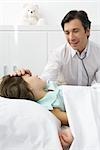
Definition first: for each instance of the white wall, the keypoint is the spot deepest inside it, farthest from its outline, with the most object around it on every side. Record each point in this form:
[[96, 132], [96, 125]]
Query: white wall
[[53, 11]]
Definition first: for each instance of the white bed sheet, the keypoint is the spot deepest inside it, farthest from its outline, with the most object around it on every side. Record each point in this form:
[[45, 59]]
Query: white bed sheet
[[83, 110], [25, 125]]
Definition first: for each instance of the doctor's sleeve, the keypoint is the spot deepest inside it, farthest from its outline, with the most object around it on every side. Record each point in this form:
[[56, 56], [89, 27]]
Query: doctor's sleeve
[[53, 67]]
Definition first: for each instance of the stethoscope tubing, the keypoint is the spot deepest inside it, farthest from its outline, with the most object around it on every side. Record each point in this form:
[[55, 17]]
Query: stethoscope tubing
[[84, 66]]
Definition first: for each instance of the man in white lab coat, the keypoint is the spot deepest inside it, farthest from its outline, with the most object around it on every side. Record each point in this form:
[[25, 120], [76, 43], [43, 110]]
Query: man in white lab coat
[[77, 61]]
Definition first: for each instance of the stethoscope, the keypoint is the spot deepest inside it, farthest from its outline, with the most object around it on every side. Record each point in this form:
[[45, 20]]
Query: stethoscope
[[84, 66]]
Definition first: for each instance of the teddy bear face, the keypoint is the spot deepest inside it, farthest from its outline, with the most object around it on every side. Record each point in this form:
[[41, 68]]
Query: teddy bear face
[[31, 11]]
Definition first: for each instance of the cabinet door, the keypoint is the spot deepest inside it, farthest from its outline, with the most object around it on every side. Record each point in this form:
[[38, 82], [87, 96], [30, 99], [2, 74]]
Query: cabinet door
[[95, 36], [4, 52], [29, 50]]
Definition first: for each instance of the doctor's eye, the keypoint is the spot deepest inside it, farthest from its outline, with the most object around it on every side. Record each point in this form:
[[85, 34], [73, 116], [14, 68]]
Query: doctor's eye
[[76, 30], [66, 32]]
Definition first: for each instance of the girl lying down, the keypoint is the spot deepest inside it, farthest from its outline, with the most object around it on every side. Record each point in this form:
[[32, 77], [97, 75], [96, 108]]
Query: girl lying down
[[33, 88]]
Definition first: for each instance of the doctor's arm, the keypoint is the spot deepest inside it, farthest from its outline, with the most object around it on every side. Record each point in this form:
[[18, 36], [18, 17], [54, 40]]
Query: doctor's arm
[[96, 78], [52, 68]]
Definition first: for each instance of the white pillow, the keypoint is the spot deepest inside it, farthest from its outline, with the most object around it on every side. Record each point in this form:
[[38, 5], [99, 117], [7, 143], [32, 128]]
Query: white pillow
[[26, 125]]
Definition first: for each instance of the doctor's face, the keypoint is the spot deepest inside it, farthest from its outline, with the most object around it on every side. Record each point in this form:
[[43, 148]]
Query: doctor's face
[[76, 35]]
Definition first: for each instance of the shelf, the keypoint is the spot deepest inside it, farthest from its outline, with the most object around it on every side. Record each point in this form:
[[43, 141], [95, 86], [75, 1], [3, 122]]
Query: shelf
[[37, 28], [29, 28]]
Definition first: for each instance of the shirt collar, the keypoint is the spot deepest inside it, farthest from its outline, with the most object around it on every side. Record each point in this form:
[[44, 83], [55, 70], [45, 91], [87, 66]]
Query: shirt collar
[[86, 50], [72, 51]]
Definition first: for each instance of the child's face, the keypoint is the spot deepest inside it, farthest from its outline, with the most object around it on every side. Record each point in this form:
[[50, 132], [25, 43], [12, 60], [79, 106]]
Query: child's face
[[34, 81]]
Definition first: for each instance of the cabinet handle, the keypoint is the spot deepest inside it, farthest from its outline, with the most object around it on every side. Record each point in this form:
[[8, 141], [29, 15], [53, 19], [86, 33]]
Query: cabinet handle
[[14, 68], [5, 70]]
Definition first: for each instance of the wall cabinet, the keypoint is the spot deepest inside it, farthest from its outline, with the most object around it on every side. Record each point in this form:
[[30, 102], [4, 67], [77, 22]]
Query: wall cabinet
[[22, 48], [4, 51], [29, 47], [29, 50]]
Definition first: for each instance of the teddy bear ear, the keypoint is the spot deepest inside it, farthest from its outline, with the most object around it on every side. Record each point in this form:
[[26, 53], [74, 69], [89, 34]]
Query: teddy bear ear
[[37, 6], [25, 4]]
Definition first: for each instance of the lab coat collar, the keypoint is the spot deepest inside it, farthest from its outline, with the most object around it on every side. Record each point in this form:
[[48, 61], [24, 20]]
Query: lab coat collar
[[86, 50]]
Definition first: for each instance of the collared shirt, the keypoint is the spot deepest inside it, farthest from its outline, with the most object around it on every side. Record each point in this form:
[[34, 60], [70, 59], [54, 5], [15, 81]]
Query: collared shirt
[[65, 65]]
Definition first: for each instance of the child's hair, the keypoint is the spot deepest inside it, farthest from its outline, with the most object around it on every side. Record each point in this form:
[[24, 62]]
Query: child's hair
[[15, 87]]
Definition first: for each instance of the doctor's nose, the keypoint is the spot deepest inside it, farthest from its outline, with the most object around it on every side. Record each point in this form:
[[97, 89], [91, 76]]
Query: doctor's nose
[[71, 36]]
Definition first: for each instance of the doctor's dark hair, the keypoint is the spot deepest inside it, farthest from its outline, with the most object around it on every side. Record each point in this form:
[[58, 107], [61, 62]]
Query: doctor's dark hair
[[74, 14], [15, 87]]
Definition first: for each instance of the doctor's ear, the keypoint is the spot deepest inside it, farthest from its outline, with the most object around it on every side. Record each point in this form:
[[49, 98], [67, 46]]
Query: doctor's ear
[[88, 32]]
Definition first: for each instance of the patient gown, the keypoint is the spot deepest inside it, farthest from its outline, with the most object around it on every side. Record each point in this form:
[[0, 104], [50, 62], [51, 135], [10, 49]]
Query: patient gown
[[53, 98]]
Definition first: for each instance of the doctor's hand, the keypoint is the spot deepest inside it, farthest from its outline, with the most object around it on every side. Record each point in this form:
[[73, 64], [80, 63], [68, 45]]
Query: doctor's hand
[[21, 72]]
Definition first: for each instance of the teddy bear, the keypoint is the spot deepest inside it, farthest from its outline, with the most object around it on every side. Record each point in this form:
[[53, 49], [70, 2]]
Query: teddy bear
[[31, 15]]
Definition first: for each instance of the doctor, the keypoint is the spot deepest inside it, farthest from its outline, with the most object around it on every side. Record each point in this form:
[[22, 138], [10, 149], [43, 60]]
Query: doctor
[[78, 60]]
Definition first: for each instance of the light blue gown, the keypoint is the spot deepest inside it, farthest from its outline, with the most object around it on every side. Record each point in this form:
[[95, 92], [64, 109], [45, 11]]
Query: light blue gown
[[53, 99]]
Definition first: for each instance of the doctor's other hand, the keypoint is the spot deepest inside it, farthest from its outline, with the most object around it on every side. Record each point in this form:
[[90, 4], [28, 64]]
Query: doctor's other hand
[[21, 72]]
